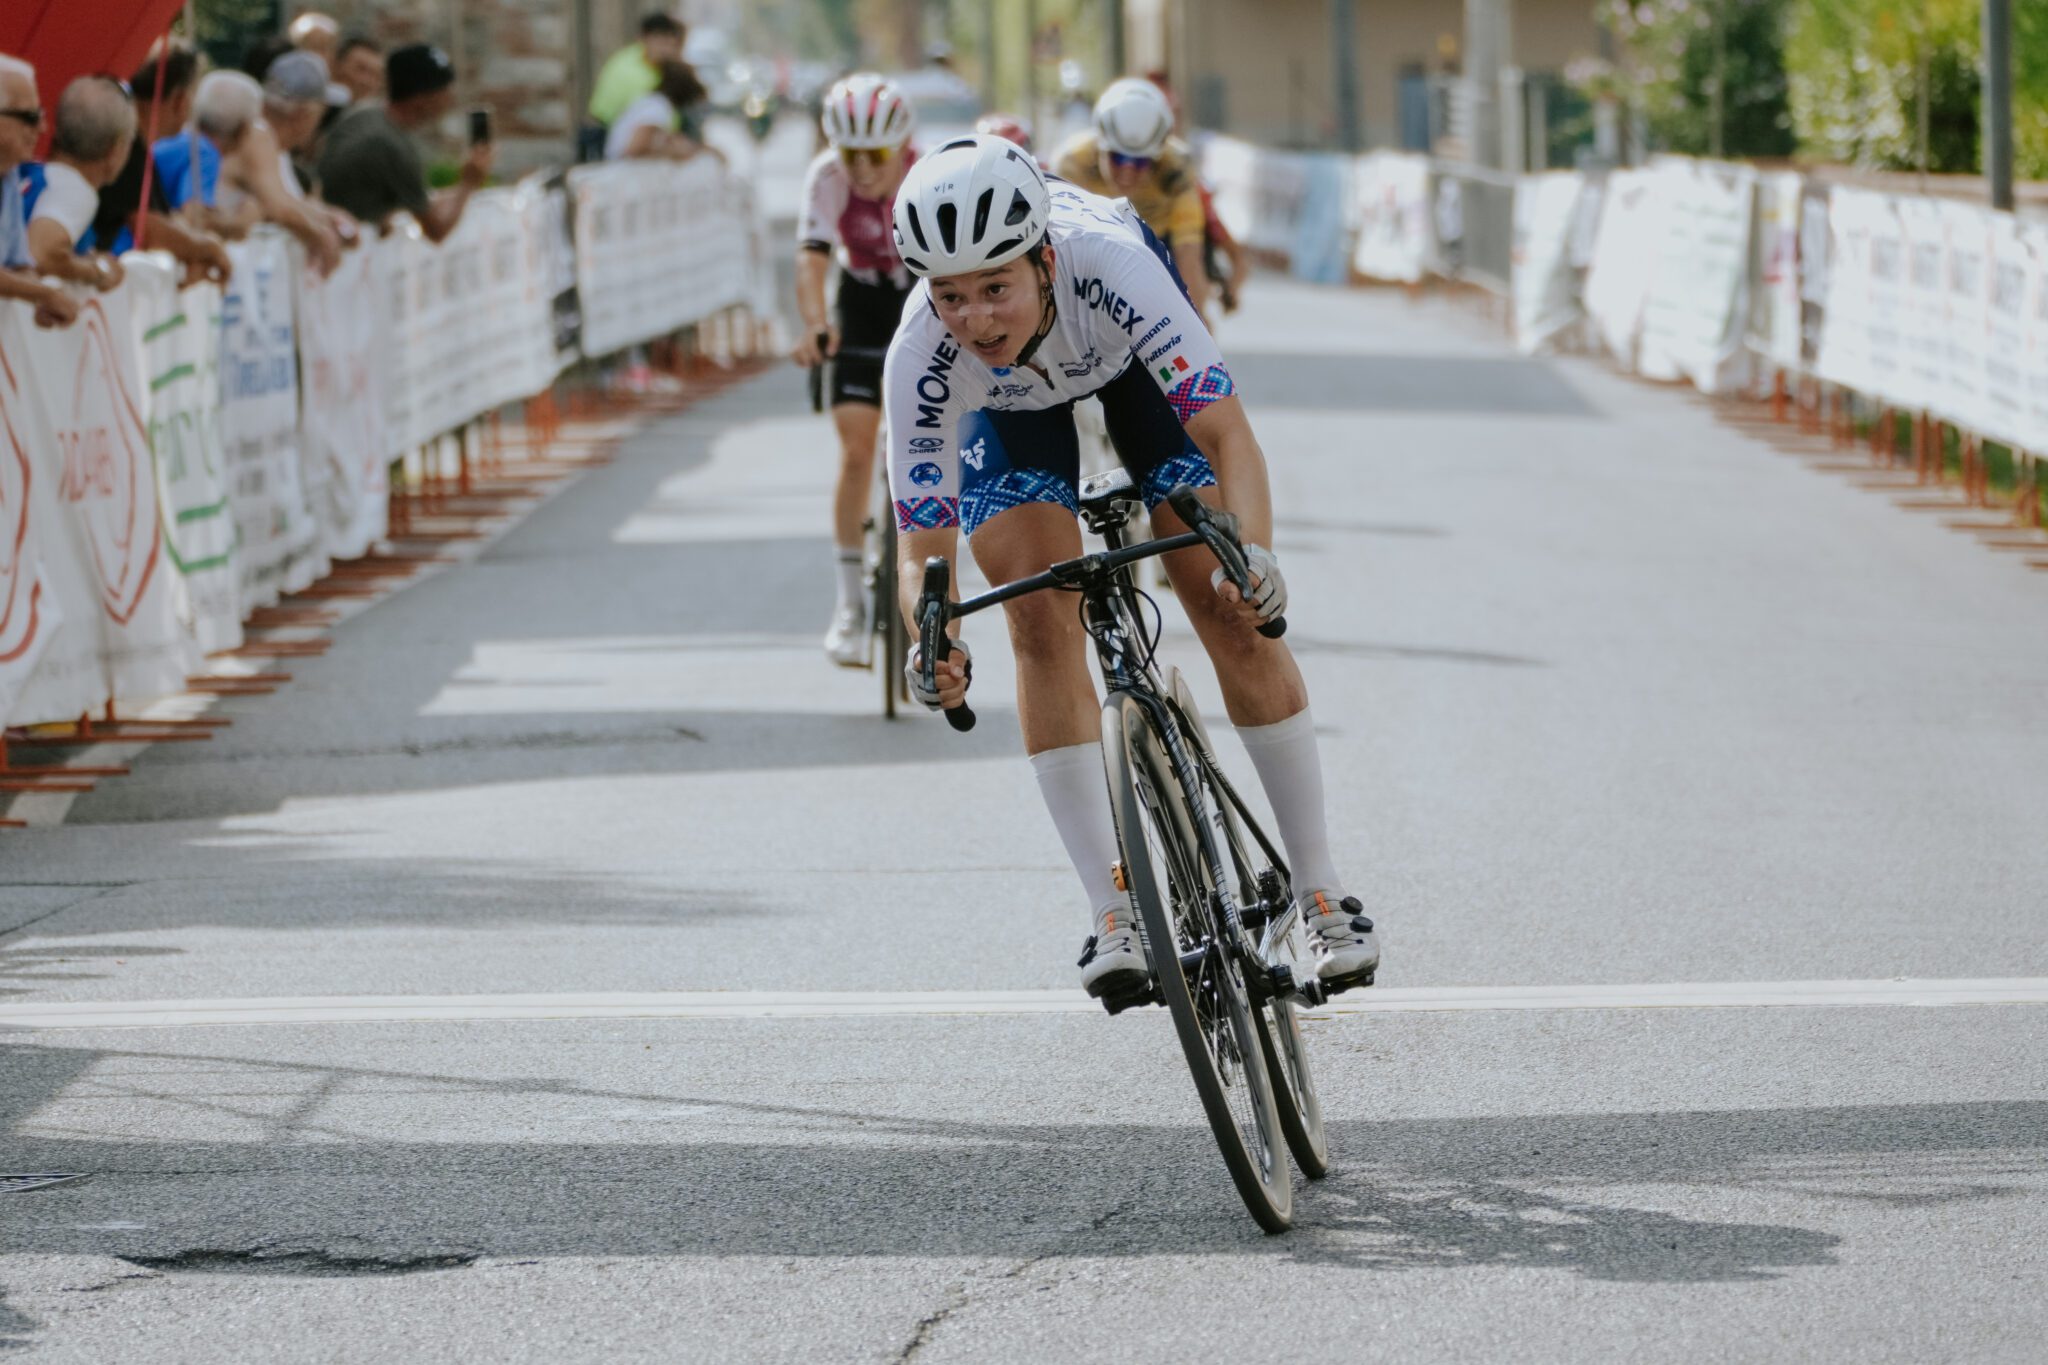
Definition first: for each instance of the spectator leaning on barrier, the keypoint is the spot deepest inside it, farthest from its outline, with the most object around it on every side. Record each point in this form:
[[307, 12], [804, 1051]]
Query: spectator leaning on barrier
[[653, 125], [371, 168], [21, 118], [95, 129], [257, 182], [120, 202], [631, 72], [188, 160]]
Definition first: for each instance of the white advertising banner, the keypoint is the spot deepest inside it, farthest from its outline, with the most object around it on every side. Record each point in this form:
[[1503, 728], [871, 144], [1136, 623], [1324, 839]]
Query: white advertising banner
[[1775, 306], [1924, 331], [280, 541], [2034, 373], [1624, 262], [658, 247], [1965, 277], [1545, 283], [31, 585], [180, 335], [96, 403], [2012, 282], [342, 421], [1696, 315], [1390, 204]]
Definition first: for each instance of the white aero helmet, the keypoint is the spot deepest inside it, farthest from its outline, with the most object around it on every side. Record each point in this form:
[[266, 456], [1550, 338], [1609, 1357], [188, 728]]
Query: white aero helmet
[[864, 111], [974, 204], [1133, 118]]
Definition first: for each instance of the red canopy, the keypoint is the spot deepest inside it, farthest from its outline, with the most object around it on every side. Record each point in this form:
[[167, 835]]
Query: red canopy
[[65, 39]]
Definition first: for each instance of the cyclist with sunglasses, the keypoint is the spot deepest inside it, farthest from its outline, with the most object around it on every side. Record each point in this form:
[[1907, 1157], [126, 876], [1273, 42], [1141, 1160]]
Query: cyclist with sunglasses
[[1132, 154], [847, 198], [1032, 297]]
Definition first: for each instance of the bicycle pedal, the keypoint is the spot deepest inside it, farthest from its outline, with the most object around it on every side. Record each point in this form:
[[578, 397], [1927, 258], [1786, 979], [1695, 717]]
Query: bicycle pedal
[[1119, 1001]]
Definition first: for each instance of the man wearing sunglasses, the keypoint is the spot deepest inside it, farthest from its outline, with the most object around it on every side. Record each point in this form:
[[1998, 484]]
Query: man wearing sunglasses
[[21, 119], [848, 197], [1132, 154]]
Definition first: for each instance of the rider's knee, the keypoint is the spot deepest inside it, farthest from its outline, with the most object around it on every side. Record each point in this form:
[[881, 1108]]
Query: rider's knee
[[1043, 627]]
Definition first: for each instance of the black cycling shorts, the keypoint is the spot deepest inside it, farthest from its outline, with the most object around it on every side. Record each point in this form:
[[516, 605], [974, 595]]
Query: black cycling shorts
[[868, 315]]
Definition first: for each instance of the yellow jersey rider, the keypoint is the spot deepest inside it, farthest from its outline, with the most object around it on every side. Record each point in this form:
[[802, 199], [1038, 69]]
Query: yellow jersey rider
[[1132, 154]]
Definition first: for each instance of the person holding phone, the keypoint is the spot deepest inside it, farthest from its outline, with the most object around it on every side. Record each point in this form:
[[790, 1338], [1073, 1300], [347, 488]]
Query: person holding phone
[[370, 167]]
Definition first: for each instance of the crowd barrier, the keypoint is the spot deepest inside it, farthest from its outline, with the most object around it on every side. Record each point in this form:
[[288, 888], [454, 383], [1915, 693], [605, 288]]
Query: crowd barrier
[[181, 458], [1917, 317]]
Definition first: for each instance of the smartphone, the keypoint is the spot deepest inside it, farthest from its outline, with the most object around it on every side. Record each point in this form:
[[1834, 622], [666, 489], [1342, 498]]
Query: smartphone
[[479, 127]]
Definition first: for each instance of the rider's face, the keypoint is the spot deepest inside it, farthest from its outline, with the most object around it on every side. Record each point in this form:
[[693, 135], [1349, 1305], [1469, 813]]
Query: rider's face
[[993, 314]]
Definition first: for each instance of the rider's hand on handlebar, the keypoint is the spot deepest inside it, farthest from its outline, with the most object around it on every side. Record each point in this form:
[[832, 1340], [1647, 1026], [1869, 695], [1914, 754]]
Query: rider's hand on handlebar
[[807, 352], [952, 677], [1269, 589]]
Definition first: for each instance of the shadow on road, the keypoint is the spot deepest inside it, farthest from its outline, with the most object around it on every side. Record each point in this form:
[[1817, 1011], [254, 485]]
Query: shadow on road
[[307, 1193]]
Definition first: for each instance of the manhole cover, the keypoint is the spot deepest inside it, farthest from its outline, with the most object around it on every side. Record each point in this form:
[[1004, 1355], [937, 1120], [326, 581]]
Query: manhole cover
[[16, 1184]]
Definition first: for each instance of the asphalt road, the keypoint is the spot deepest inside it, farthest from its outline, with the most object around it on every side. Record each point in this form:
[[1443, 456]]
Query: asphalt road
[[1613, 695]]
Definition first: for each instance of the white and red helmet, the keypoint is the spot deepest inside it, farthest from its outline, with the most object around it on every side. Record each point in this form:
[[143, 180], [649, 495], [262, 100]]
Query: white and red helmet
[[865, 111]]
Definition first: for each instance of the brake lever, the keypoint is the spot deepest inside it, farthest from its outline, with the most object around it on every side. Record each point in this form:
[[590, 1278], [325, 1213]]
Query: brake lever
[[818, 376], [1218, 530], [933, 642]]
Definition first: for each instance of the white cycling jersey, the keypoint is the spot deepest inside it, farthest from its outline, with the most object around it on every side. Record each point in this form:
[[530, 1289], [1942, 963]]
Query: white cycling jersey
[[1116, 304]]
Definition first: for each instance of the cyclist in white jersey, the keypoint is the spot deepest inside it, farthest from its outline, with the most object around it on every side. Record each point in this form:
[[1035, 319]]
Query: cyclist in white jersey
[[845, 221], [1033, 295]]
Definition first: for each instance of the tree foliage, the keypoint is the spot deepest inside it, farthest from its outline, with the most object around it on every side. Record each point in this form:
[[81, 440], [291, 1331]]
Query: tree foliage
[[1672, 54]]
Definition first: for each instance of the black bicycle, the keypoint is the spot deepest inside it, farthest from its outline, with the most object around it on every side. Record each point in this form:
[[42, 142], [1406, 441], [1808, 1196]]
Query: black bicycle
[[878, 553], [1214, 900]]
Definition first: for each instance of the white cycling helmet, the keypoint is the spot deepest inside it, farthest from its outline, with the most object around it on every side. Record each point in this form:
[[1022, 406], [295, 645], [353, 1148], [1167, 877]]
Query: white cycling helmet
[[1133, 118], [865, 111], [974, 204]]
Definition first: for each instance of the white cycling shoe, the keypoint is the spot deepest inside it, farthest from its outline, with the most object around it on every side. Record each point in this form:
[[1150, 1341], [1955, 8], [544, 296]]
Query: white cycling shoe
[[1346, 948], [1113, 963], [848, 639]]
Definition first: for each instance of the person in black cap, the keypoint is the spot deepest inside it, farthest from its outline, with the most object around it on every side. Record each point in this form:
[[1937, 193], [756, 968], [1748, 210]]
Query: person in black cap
[[372, 169]]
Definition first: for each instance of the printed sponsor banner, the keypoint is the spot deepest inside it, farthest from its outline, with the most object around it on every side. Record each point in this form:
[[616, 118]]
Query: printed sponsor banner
[[90, 374], [1924, 335], [30, 611], [179, 332], [1618, 281], [1696, 315], [2034, 374], [2011, 281], [1965, 277], [1775, 308], [280, 540], [1390, 201], [1545, 283], [657, 247], [342, 420]]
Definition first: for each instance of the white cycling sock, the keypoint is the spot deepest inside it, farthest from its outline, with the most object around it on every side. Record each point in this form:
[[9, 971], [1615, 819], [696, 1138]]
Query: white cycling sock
[[1077, 795], [1291, 771], [852, 579]]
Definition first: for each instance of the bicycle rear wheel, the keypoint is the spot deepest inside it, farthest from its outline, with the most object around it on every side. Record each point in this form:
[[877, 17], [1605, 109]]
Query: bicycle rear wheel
[[1199, 974], [1287, 1061]]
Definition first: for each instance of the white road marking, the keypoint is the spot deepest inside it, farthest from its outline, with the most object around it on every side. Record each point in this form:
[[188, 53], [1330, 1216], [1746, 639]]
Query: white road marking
[[426, 1009]]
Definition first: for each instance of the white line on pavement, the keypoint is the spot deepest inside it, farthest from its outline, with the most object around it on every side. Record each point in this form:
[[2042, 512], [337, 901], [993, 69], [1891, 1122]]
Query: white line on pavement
[[423, 1009]]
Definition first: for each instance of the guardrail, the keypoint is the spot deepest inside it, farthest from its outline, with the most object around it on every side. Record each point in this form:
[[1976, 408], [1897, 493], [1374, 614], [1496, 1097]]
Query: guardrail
[[179, 460], [1919, 322]]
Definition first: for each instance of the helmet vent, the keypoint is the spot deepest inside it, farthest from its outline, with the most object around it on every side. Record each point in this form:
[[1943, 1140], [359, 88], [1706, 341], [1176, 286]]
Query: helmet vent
[[949, 227], [916, 227], [1004, 248], [981, 208], [1020, 209]]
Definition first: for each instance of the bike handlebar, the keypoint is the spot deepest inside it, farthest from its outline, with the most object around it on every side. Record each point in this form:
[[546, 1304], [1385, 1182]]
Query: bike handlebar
[[1215, 529], [932, 613], [1218, 531]]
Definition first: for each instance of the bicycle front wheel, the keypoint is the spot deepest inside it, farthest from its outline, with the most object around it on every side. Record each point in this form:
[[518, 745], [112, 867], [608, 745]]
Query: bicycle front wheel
[[1199, 972], [892, 637], [1287, 1059]]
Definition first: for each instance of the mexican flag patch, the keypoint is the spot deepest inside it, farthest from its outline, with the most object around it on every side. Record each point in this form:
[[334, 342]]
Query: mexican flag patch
[[1167, 372]]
